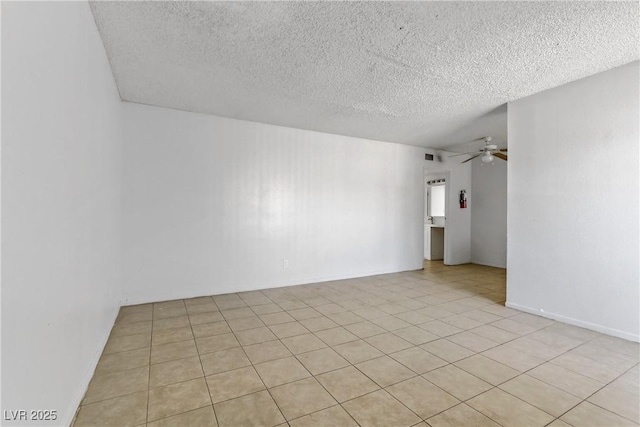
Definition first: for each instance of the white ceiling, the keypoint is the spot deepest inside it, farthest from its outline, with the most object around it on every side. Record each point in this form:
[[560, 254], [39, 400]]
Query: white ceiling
[[422, 73]]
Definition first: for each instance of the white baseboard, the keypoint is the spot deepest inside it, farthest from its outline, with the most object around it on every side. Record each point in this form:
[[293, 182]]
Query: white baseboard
[[67, 419], [576, 322]]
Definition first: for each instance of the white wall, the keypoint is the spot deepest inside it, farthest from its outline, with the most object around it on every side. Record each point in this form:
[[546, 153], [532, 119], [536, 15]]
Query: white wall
[[457, 233], [573, 203], [489, 213], [214, 205], [61, 167]]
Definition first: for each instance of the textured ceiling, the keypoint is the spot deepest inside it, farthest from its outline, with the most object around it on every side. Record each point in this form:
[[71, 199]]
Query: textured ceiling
[[422, 73]]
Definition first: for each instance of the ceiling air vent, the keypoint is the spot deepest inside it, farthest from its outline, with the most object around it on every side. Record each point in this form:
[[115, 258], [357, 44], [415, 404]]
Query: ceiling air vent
[[428, 156]]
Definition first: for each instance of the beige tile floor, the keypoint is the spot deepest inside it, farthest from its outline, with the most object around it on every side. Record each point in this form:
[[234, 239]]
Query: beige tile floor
[[434, 347]]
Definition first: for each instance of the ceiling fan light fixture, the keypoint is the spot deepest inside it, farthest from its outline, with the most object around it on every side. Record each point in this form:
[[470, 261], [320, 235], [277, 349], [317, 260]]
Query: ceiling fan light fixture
[[487, 157]]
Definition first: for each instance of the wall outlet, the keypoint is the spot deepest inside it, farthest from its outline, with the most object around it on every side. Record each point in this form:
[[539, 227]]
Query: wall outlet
[[285, 263]]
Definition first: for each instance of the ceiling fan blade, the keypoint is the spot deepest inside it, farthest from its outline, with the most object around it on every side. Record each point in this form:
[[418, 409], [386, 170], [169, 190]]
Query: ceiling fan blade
[[504, 150], [500, 156], [471, 158], [464, 154]]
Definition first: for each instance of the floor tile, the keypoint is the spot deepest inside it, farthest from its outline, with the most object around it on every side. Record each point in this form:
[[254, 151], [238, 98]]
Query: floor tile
[[318, 323], [385, 371], [388, 343], [202, 308], [461, 416], [291, 305], [266, 308], [447, 350], [166, 313], [461, 322], [391, 308], [129, 410], [173, 351], [206, 317], [301, 398], [486, 369], [303, 343], [619, 402], [264, 352], [333, 416], [323, 360], [225, 360], [619, 345], [123, 360], [281, 371], [137, 328], [508, 410], [575, 384], [276, 318], [175, 371], [170, 323], [457, 382], [336, 336], [177, 398], [210, 329], [244, 323], [588, 414], [494, 334], [237, 313], [413, 317], [107, 386], [588, 367], [605, 355], [365, 329], [369, 313], [535, 348], [513, 358], [203, 417], [345, 318], [124, 318], [422, 397], [255, 336], [231, 384], [127, 342], [304, 313], [555, 339], [400, 330], [439, 328], [290, 329], [418, 360], [541, 395], [416, 335], [537, 322], [167, 336], [472, 341], [514, 327], [216, 343], [380, 409], [347, 383], [257, 409], [390, 323], [482, 316]]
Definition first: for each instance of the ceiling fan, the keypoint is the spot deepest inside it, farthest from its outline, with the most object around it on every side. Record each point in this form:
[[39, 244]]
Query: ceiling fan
[[488, 152]]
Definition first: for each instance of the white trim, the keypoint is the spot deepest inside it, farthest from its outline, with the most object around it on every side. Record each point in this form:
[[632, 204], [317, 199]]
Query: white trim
[[576, 322], [68, 417]]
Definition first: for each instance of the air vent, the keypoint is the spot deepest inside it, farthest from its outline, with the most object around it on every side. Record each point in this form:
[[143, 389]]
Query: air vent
[[428, 156]]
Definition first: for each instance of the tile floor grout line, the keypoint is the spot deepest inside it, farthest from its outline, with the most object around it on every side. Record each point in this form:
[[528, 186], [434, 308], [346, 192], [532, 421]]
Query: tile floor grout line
[[312, 296], [204, 377]]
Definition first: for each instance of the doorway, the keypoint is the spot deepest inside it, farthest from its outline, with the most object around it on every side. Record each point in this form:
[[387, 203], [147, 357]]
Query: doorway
[[435, 208]]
